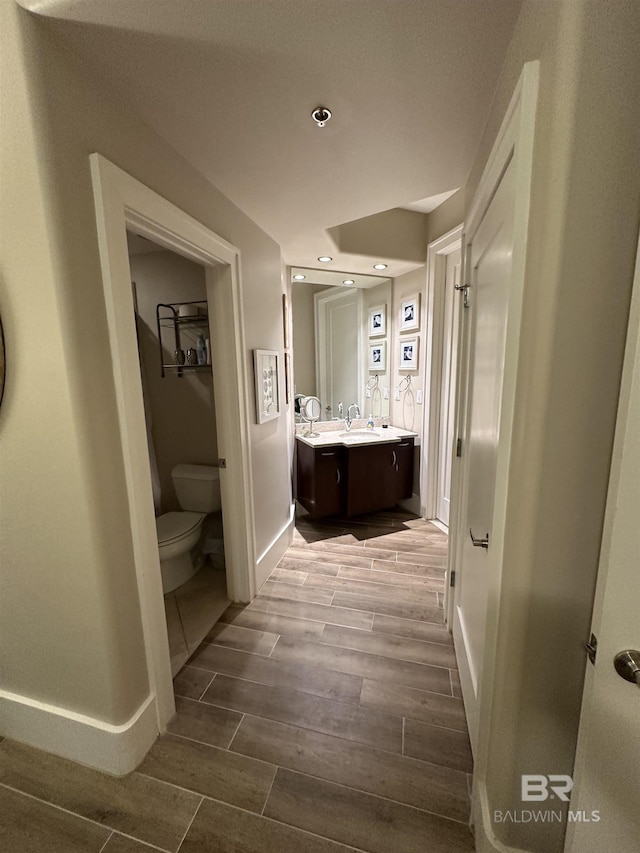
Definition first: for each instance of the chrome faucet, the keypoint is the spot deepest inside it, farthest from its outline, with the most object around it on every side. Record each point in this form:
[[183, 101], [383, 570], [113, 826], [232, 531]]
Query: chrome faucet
[[347, 420]]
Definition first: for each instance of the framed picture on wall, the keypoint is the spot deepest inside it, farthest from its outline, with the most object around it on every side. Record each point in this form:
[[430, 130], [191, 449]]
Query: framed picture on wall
[[378, 356], [409, 354], [378, 321], [265, 364], [410, 313]]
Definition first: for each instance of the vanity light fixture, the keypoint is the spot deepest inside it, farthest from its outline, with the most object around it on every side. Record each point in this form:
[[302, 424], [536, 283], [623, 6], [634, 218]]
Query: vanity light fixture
[[379, 266], [299, 277], [325, 259], [348, 281]]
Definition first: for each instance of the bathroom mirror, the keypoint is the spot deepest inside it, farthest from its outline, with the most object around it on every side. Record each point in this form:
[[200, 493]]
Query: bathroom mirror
[[332, 338]]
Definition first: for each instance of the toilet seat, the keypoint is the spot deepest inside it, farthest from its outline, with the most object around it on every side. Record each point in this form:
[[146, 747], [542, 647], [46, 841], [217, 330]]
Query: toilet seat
[[173, 526]]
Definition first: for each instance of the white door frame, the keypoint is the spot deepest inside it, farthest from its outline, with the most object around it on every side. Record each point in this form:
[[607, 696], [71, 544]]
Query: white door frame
[[436, 266], [604, 691], [514, 144], [122, 202]]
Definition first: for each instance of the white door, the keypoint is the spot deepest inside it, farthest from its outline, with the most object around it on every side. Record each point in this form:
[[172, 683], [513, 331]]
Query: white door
[[607, 771], [338, 349], [448, 385], [490, 270]]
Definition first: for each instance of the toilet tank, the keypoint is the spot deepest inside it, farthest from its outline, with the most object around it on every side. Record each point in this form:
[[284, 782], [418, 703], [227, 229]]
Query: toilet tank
[[197, 487]]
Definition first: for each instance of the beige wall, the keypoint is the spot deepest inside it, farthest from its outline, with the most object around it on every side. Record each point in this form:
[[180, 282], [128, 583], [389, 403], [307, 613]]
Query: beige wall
[[445, 218], [406, 413], [393, 233], [583, 232], [372, 297], [182, 408], [69, 612]]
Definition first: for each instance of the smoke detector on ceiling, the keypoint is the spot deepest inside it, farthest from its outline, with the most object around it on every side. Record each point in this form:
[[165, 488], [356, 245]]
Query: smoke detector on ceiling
[[321, 116]]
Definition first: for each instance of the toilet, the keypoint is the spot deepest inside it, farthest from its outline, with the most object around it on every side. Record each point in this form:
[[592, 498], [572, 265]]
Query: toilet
[[198, 492]]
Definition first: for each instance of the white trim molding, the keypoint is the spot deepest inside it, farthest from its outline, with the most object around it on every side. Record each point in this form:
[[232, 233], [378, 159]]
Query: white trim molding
[[113, 749], [437, 252], [271, 556], [514, 144], [122, 202]]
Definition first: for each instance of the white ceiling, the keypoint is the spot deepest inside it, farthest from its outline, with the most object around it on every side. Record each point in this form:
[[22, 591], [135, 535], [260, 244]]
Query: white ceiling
[[231, 85]]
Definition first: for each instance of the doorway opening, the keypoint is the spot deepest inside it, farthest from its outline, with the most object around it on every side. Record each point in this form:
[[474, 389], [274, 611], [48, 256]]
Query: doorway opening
[[339, 374], [124, 203], [178, 382], [444, 262]]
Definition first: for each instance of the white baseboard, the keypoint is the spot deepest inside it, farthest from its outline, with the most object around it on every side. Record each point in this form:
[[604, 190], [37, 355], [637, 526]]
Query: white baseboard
[[113, 749], [439, 525], [485, 839], [270, 558]]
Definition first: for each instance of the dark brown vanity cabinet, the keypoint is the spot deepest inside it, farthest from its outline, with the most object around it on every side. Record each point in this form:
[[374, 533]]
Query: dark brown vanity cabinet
[[378, 476], [320, 478], [338, 480], [403, 480]]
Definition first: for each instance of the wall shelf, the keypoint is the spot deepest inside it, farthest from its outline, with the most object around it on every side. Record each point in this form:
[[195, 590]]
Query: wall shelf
[[178, 334]]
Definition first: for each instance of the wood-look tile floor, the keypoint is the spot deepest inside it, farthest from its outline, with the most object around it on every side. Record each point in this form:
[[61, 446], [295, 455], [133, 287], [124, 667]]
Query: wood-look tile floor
[[325, 717]]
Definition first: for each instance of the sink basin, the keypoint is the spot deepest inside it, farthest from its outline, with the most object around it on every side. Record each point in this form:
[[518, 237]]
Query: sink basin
[[361, 434]]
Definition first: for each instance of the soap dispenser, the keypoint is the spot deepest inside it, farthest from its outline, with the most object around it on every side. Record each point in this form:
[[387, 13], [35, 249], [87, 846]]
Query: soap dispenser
[[370, 423]]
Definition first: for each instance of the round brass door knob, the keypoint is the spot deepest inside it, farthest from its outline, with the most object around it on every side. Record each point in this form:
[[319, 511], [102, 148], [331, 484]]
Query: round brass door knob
[[627, 665]]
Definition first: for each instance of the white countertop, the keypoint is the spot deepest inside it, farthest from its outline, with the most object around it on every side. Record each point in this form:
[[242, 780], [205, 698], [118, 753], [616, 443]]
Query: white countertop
[[356, 437]]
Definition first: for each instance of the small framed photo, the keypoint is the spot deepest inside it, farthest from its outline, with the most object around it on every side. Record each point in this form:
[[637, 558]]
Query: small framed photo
[[378, 321], [410, 313], [378, 356], [265, 363], [409, 354]]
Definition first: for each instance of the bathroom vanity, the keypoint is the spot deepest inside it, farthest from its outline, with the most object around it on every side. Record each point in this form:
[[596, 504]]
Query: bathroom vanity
[[350, 473]]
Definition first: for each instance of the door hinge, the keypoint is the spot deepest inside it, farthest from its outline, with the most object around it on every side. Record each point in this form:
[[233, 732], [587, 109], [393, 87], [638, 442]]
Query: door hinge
[[222, 463], [592, 648], [459, 447], [452, 579], [464, 288]]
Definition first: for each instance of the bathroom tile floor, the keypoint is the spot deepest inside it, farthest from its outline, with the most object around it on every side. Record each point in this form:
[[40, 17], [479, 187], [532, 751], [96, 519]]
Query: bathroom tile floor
[[192, 609], [324, 717]]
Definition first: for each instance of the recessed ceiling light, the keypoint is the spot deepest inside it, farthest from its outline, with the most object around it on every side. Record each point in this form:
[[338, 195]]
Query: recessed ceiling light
[[379, 266], [299, 277], [348, 281], [325, 259]]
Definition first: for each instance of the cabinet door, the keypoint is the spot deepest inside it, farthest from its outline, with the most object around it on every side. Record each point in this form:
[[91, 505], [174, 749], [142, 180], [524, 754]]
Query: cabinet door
[[370, 478], [319, 479], [305, 476], [328, 485], [403, 470]]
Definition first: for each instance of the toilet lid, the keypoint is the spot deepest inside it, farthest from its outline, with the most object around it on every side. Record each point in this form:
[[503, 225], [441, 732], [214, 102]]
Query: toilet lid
[[176, 525]]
